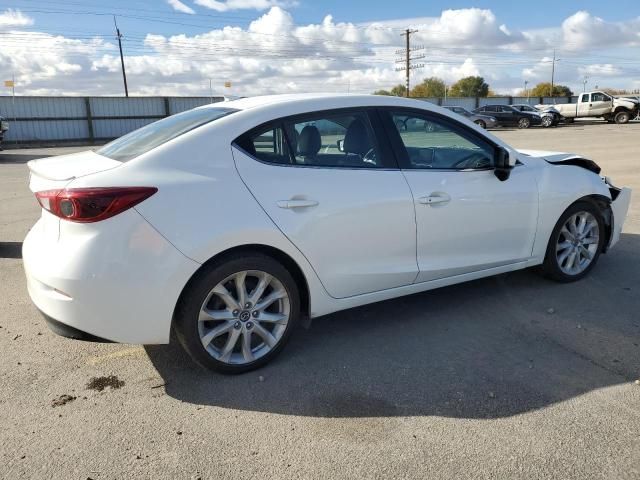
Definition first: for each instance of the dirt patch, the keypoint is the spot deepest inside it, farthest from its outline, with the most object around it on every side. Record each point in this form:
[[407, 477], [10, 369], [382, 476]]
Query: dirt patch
[[62, 400], [100, 383]]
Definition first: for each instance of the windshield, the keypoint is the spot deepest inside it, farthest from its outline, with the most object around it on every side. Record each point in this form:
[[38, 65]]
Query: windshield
[[155, 134]]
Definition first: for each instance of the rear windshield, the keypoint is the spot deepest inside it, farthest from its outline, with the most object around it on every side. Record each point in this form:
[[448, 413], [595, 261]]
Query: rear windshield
[[150, 136]]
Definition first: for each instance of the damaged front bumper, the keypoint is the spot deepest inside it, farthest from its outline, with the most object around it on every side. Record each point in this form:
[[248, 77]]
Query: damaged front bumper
[[620, 200]]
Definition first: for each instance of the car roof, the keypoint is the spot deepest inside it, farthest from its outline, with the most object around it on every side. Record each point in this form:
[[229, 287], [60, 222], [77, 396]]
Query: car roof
[[329, 100]]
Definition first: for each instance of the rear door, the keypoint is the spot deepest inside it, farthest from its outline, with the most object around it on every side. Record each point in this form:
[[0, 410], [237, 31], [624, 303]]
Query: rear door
[[467, 219], [333, 188]]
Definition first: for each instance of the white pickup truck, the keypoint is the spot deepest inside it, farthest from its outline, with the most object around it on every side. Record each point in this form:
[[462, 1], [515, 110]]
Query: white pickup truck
[[599, 104]]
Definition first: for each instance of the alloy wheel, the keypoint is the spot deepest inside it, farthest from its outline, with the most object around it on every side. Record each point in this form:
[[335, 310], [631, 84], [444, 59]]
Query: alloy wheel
[[244, 317], [577, 243], [524, 123]]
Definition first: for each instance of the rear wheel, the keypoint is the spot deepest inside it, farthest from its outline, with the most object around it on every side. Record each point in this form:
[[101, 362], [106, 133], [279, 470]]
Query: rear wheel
[[547, 121], [238, 315], [524, 123], [622, 117], [481, 123], [575, 244]]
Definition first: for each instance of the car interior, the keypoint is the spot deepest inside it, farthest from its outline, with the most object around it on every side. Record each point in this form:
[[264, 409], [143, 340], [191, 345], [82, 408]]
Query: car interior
[[335, 141]]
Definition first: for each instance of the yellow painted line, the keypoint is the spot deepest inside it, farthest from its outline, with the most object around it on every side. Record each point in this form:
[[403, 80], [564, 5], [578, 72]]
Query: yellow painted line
[[125, 352]]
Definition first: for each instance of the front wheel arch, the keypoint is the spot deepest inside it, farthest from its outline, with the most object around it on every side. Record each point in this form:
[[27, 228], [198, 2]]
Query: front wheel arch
[[603, 203], [283, 258]]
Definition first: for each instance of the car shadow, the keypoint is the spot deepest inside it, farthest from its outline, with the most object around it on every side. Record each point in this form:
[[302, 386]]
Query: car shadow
[[490, 348], [12, 156]]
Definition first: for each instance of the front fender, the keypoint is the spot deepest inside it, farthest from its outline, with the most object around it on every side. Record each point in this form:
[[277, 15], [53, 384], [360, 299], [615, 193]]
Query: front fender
[[560, 186]]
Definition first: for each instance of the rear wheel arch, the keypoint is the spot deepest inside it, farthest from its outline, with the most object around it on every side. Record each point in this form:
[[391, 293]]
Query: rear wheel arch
[[280, 256]]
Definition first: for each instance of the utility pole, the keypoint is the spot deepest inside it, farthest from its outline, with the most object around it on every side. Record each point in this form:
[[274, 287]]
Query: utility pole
[[408, 58], [553, 69], [584, 83], [526, 90], [124, 74]]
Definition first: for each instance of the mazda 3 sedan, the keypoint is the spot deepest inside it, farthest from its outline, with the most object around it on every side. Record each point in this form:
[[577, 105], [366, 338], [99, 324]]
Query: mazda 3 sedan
[[231, 222]]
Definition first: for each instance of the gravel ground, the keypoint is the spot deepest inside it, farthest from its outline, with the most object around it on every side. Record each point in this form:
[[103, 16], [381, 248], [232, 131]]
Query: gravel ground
[[505, 377]]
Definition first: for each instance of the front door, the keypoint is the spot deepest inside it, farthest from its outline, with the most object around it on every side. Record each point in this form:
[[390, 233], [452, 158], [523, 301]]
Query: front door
[[467, 219], [325, 181]]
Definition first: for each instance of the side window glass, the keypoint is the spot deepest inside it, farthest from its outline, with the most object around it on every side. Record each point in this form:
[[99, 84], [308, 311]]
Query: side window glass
[[599, 97], [585, 98], [433, 144], [269, 145], [334, 140]]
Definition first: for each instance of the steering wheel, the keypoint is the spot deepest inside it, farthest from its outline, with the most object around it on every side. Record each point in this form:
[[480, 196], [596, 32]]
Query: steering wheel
[[370, 156], [473, 160]]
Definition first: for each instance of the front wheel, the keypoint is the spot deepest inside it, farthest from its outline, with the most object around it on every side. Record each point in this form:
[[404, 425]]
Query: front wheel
[[524, 123], [575, 244], [622, 118], [238, 315], [481, 123], [547, 122]]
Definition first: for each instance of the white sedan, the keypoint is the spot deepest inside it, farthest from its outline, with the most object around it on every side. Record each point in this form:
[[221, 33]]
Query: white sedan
[[231, 222]]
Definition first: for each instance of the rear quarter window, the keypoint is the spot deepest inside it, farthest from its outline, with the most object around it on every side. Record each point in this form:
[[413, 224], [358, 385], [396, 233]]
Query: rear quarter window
[[155, 134]]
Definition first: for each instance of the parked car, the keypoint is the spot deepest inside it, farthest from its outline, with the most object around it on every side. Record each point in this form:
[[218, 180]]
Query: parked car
[[484, 121], [231, 222], [550, 117], [507, 115], [4, 126], [602, 105]]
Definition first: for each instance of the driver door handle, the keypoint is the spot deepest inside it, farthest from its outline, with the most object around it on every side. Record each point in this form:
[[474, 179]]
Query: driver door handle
[[296, 203], [436, 197]]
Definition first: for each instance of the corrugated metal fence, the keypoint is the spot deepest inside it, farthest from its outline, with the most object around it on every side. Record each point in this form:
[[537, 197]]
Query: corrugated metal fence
[[34, 120], [38, 120]]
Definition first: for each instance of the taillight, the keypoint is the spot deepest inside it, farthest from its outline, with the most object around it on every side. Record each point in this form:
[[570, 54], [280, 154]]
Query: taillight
[[92, 204]]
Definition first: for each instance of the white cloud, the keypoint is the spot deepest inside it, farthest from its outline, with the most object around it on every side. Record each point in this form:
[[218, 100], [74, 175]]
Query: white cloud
[[14, 18], [227, 5], [583, 30], [601, 70], [181, 7]]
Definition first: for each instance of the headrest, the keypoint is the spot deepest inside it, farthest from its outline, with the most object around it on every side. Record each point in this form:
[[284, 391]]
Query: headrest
[[309, 142], [356, 139]]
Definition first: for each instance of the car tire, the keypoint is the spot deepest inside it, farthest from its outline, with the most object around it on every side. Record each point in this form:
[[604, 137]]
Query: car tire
[[622, 118], [524, 123], [481, 124], [234, 334], [547, 122], [563, 249]]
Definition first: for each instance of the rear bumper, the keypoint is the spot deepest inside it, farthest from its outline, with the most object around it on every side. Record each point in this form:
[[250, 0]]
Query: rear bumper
[[118, 280]]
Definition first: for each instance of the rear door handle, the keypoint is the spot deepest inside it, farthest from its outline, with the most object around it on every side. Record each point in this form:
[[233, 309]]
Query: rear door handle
[[296, 203], [435, 198]]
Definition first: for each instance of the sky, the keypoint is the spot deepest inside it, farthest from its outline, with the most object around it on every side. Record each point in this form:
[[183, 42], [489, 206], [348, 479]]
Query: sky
[[192, 47]]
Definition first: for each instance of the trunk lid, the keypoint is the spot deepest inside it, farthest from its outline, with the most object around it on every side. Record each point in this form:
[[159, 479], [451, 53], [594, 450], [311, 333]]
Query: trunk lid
[[58, 172]]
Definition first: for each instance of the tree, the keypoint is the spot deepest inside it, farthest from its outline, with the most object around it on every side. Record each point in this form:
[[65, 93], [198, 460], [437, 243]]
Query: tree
[[469, 87], [544, 90], [397, 91], [430, 87]]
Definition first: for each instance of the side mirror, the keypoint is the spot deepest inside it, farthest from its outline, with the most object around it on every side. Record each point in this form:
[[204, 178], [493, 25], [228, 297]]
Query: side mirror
[[505, 161], [341, 145]]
